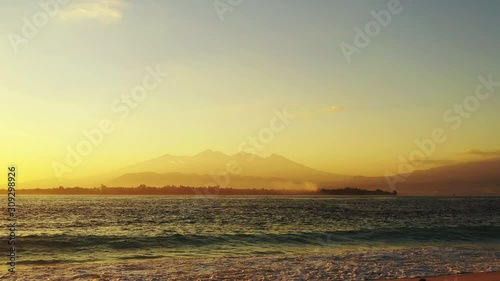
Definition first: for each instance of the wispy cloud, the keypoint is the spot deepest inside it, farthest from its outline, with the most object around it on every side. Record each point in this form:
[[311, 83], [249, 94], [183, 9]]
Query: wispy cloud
[[333, 109], [101, 10], [437, 162], [483, 153]]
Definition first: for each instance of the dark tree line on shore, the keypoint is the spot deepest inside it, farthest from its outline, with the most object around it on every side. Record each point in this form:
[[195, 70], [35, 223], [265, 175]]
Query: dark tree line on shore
[[188, 190], [355, 191]]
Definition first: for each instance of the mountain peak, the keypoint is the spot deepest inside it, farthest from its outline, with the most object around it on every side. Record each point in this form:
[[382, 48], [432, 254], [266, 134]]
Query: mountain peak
[[277, 156], [210, 153], [245, 154]]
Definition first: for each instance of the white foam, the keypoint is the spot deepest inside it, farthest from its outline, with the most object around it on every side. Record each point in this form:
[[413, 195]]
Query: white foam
[[358, 265]]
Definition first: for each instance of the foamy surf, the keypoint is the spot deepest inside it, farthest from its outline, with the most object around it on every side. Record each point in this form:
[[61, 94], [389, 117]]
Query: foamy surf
[[353, 265]]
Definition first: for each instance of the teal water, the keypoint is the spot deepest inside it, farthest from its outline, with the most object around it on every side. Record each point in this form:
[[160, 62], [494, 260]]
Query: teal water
[[65, 229]]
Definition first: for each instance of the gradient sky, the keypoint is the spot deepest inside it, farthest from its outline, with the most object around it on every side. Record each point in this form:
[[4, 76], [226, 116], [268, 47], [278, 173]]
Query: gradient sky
[[227, 77]]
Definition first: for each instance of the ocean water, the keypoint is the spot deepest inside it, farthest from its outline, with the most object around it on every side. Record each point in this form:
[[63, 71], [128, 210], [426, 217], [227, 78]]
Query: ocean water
[[382, 236]]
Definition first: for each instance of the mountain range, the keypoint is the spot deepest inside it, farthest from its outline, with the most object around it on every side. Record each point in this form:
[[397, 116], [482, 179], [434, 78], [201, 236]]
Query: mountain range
[[244, 170]]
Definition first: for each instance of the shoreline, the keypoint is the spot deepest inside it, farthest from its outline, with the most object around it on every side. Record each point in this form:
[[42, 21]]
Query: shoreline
[[481, 276], [317, 267]]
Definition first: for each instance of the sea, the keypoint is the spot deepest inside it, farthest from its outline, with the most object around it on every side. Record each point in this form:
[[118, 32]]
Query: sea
[[253, 237]]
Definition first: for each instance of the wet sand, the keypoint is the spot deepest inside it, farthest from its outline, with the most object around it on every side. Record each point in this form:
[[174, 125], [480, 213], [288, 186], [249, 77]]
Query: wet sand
[[492, 276]]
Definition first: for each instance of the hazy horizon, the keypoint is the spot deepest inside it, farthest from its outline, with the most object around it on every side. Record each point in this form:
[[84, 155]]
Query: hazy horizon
[[470, 156]]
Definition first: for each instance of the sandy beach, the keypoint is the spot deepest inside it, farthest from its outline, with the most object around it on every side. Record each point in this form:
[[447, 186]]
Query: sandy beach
[[491, 276]]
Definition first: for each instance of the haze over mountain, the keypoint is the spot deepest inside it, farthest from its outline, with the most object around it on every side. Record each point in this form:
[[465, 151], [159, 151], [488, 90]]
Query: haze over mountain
[[208, 168], [244, 170], [469, 178], [241, 164]]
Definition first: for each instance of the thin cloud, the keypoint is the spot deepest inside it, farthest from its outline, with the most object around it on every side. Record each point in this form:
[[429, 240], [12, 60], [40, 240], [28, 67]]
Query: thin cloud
[[101, 10], [437, 162], [333, 109], [485, 153]]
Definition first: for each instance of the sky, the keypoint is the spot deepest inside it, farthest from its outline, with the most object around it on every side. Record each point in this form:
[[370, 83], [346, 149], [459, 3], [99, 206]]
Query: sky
[[67, 67]]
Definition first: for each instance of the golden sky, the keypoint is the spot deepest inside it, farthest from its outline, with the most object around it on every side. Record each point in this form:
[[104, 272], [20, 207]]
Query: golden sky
[[227, 78]]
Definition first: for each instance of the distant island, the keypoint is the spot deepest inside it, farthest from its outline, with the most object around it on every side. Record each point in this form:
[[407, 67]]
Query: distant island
[[355, 191], [188, 190]]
